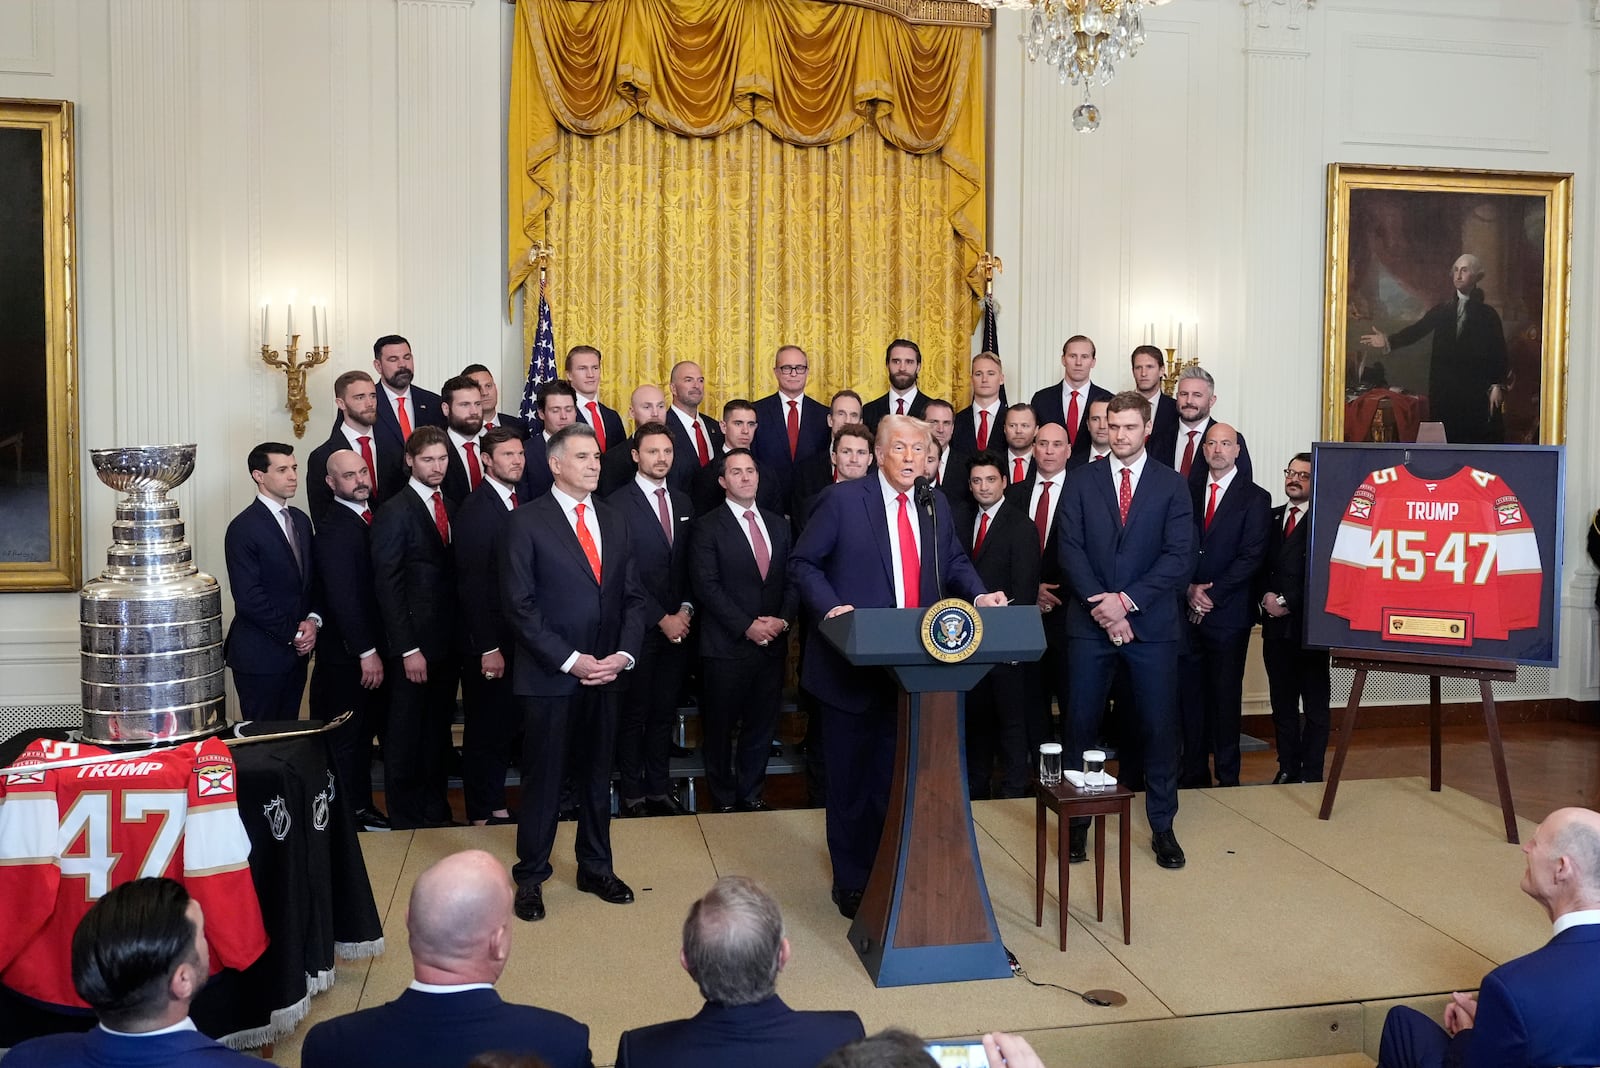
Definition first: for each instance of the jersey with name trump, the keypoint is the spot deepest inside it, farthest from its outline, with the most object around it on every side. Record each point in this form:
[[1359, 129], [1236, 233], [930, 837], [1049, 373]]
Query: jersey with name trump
[[1418, 559], [70, 834]]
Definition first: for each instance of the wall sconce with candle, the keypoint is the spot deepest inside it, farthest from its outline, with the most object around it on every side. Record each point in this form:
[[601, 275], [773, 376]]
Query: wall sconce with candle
[[293, 368]]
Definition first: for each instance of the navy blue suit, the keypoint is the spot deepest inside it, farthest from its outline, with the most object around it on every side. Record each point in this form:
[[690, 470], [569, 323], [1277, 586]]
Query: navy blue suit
[[424, 1030], [1150, 558], [1533, 1012], [843, 557], [390, 474], [556, 608], [771, 444], [878, 407], [1047, 408], [489, 708], [768, 1033], [685, 455], [97, 1049], [422, 408], [1164, 420], [351, 625], [506, 419], [536, 476], [1228, 556], [272, 594]]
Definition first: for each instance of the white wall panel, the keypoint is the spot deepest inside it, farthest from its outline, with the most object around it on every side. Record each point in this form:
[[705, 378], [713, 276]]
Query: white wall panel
[[27, 37]]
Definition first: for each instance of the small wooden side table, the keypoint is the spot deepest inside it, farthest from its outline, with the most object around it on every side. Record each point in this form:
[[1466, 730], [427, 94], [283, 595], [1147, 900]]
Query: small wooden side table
[[1067, 801]]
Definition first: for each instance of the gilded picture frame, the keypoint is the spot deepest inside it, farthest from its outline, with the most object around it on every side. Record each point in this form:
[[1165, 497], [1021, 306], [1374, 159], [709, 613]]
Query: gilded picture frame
[[39, 490], [1447, 303]]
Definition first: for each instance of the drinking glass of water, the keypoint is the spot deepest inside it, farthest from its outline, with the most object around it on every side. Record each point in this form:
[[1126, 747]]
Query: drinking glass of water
[[1094, 770], [1050, 764]]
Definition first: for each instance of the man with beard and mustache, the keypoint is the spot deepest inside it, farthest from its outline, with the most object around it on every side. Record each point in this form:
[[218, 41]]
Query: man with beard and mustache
[[1179, 447], [696, 438], [904, 362], [463, 411], [402, 407], [356, 395]]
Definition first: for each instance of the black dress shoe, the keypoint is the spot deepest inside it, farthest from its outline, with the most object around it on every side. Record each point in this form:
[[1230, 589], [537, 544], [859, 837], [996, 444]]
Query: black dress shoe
[[1169, 854], [1283, 777], [529, 904], [632, 809], [849, 902], [1078, 843], [370, 819], [607, 888], [757, 805], [723, 810], [500, 821], [664, 806], [568, 815]]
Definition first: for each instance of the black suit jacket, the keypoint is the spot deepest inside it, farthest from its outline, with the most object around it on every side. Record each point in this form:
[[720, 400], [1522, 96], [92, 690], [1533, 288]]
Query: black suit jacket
[[1009, 559], [475, 534], [771, 444], [515, 422], [1047, 408], [272, 595], [954, 484], [1283, 571], [413, 572], [1018, 497], [1165, 418], [707, 493], [350, 620], [663, 569], [729, 588], [617, 469], [423, 407], [553, 603], [878, 407], [810, 478], [610, 422], [768, 1033], [1462, 368], [536, 477], [444, 1031], [457, 479], [1163, 450], [685, 457], [1229, 554], [390, 473], [965, 436]]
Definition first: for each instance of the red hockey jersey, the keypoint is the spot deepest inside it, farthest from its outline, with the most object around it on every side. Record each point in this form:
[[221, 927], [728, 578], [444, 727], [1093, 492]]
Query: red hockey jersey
[[1443, 561], [68, 835]]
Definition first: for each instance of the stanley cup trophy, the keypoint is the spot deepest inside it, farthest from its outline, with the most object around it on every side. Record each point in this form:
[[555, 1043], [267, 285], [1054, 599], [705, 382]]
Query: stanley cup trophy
[[151, 624]]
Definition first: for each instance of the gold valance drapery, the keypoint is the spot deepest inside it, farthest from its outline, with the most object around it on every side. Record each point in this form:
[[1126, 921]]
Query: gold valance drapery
[[810, 72]]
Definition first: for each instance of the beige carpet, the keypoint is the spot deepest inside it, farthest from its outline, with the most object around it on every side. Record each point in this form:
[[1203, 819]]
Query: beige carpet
[[1283, 941]]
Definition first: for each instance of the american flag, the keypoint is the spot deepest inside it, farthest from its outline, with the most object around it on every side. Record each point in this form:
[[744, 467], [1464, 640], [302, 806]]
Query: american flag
[[542, 359]]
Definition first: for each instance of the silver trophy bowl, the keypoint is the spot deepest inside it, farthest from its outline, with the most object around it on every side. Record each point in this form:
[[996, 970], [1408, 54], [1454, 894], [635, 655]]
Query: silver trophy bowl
[[144, 469]]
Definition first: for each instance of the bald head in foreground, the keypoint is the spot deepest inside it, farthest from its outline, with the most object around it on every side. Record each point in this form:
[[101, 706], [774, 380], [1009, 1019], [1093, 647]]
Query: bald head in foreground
[[1538, 1009], [460, 927]]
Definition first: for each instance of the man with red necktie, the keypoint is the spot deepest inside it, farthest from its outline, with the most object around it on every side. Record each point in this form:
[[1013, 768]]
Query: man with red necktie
[[583, 371], [696, 438], [868, 544], [1020, 427], [1039, 498], [980, 425], [356, 395], [1068, 402], [413, 571], [402, 407], [463, 410], [790, 426], [1179, 447], [903, 362], [1231, 516]]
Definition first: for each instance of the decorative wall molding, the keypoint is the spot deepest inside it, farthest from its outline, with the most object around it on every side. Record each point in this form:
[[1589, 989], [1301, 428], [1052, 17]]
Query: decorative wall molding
[[1278, 25], [27, 37]]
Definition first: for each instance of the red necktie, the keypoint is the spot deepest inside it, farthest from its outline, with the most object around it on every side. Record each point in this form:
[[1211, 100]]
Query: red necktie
[[666, 517], [366, 454], [983, 532], [586, 541], [1072, 418], [598, 424], [1188, 455], [983, 430], [1125, 495], [488, 426], [910, 562], [1211, 505], [1288, 528], [1017, 473], [366, 514], [514, 501], [758, 544], [405, 420], [440, 519], [899, 406], [1041, 514], [836, 474], [474, 472], [794, 428], [700, 443]]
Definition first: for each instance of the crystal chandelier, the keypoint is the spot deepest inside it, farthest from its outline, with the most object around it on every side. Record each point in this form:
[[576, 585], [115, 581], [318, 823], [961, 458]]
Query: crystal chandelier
[[1085, 40]]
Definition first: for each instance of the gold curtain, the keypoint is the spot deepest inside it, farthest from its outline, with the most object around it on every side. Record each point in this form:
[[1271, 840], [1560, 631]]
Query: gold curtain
[[692, 162]]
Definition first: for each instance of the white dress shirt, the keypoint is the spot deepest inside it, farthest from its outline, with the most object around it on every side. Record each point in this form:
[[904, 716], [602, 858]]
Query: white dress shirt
[[184, 1024], [1222, 485], [391, 397], [1579, 918], [447, 988], [891, 509]]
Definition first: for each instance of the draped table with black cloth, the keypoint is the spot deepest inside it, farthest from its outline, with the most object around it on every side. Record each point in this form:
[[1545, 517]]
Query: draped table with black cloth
[[311, 879]]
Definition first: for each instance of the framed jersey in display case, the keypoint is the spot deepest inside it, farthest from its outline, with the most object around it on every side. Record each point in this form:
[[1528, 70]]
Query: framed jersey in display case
[[1438, 550]]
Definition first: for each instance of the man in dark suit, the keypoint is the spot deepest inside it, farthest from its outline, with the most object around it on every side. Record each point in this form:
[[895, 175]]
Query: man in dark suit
[[870, 542], [1038, 497], [571, 591], [1149, 364], [413, 571], [1230, 517], [490, 397], [734, 948], [1067, 403], [357, 398], [819, 470], [402, 407], [739, 429], [139, 958], [1467, 371], [458, 925], [1538, 1009], [658, 519], [463, 412], [739, 565], [270, 575], [583, 371], [696, 438], [1297, 676], [1020, 427], [349, 671], [980, 425], [557, 408], [1179, 448], [790, 426], [487, 644], [647, 404], [1127, 545], [903, 360], [1004, 547], [950, 474]]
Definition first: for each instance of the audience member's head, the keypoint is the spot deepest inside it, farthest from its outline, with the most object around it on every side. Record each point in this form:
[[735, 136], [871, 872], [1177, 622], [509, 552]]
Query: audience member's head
[[904, 361], [356, 395], [139, 955], [1020, 426], [1563, 872], [583, 369], [557, 402], [792, 369], [1196, 393], [941, 419], [733, 943], [459, 920], [988, 375], [844, 408], [1148, 363], [886, 1049], [1077, 360], [986, 478], [852, 451], [738, 424], [647, 405]]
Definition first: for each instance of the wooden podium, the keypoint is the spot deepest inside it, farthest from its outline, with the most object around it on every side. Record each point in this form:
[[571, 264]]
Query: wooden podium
[[925, 916]]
